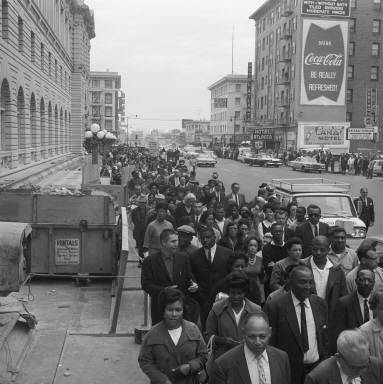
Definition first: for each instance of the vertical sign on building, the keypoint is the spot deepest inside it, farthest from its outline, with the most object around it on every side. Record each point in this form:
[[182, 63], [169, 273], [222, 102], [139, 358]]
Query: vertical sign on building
[[249, 89], [324, 65], [371, 106]]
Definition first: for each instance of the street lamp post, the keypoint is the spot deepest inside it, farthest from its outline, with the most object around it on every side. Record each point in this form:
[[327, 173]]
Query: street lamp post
[[127, 128], [94, 137]]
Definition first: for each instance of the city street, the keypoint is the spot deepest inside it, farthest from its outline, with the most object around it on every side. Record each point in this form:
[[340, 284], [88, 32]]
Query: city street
[[250, 178]]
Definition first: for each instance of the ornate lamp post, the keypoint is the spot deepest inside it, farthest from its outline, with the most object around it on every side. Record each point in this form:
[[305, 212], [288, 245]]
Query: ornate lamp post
[[96, 138]]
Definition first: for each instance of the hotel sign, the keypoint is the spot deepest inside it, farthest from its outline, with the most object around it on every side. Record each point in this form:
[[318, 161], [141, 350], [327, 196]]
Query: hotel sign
[[263, 134], [324, 62], [335, 8]]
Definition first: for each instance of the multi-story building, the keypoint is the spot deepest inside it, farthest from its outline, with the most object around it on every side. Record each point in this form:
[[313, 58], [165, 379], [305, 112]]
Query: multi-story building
[[104, 88], [300, 75], [197, 131], [44, 65], [228, 106], [364, 75]]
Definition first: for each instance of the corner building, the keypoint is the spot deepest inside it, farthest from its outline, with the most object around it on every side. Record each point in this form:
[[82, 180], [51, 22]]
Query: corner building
[[44, 69], [364, 75], [300, 77]]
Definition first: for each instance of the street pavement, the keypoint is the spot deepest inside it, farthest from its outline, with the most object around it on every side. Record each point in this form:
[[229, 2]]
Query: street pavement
[[250, 178]]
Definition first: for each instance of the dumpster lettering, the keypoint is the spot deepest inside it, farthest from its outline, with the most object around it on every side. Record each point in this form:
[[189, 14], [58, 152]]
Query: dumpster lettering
[[67, 251]]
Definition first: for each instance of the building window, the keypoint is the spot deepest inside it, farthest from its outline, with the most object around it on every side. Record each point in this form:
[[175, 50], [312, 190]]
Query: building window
[[108, 125], [95, 111], [349, 96], [375, 49], [42, 54], [49, 64], [350, 72], [95, 83], [377, 4], [351, 48], [352, 25], [96, 97], [376, 26], [61, 75], [33, 47], [21, 34], [348, 116], [237, 87], [263, 63], [353, 4], [108, 111], [4, 19], [108, 98], [108, 83], [56, 71], [295, 23], [237, 101], [374, 73]]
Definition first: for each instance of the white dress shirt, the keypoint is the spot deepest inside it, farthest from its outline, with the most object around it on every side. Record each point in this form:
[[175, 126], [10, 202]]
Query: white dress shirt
[[321, 277], [175, 334], [212, 251], [312, 355], [237, 316], [361, 304], [252, 365], [313, 228], [220, 224], [344, 377]]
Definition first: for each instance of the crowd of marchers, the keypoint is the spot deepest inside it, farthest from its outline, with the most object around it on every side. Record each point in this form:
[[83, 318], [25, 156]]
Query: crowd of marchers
[[251, 292]]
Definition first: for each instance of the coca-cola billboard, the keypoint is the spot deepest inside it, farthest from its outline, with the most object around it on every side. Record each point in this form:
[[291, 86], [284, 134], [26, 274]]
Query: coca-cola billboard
[[324, 62]]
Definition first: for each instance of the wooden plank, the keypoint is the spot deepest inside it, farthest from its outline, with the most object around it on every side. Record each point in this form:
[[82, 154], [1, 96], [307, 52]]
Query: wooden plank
[[121, 271]]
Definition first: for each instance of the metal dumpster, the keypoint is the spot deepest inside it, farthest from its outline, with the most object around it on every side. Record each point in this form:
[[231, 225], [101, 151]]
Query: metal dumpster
[[14, 252], [70, 234]]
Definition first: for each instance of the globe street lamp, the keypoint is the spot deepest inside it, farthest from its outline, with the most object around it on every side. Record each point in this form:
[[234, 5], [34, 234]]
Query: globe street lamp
[[95, 138]]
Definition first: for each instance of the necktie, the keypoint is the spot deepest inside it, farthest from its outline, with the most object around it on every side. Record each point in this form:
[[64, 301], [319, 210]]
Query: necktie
[[304, 335], [261, 371], [236, 200], [316, 230], [209, 256], [366, 311]]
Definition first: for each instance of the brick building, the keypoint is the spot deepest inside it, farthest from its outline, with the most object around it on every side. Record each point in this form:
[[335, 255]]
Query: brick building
[[364, 75], [44, 65], [295, 99]]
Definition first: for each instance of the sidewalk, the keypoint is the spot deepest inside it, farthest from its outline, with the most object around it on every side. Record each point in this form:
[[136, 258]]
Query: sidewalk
[[71, 343]]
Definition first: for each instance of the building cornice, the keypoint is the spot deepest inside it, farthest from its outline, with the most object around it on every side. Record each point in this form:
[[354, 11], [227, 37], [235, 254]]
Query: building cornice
[[264, 8], [78, 7], [228, 79]]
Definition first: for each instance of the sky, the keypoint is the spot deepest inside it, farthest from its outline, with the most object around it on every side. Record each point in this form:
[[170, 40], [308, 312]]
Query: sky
[[168, 52]]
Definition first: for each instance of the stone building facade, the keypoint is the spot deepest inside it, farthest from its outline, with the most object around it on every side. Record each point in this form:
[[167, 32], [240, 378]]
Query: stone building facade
[[44, 69]]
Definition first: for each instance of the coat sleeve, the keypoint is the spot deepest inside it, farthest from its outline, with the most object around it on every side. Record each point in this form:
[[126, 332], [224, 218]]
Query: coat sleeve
[[211, 325], [372, 210], [199, 361], [287, 372], [146, 360], [343, 286], [147, 236], [271, 312], [147, 279], [276, 278]]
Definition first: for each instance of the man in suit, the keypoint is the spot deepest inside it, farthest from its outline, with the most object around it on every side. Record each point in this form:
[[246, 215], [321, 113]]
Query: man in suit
[[281, 218], [298, 321], [353, 310], [166, 268], [238, 198], [365, 208], [209, 265], [329, 280], [352, 363], [174, 179], [312, 228], [219, 192], [197, 212], [253, 361]]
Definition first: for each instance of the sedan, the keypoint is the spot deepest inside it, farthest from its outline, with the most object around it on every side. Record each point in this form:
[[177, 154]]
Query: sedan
[[264, 160], [306, 164], [204, 160]]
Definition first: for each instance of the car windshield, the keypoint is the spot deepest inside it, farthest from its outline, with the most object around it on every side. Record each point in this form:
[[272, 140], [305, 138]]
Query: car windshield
[[308, 160], [331, 206]]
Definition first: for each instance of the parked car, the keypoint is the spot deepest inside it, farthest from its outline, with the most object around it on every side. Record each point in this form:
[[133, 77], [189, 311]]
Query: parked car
[[306, 164], [264, 160], [243, 153], [378, 167], [205, 160]]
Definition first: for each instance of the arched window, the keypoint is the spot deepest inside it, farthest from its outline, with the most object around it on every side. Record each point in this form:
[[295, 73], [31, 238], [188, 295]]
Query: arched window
[[21, 118], [66, 131], [43, 142], [56, 130], [5, 116], [50, 127], [32, 110], [61, 132]]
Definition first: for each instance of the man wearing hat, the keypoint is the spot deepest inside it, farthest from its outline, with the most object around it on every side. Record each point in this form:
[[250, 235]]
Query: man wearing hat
[[185, 237]]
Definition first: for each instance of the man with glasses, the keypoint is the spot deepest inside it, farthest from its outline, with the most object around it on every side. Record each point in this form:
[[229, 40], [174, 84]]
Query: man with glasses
[[370, 259], [312, 228], [352, 364]]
